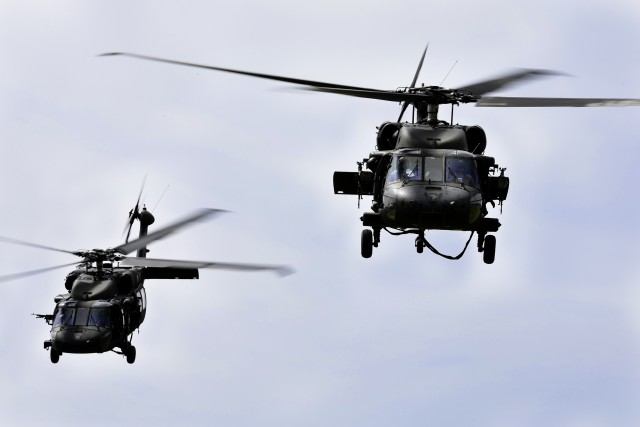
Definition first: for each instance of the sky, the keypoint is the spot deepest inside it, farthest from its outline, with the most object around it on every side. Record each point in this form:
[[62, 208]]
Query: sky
[[547, 335]]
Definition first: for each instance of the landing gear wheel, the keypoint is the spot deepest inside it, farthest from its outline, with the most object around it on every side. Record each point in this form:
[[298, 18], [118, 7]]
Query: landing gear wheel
[[131, 355], [489, 253], [366, 243], [54, 355], [420, 242]]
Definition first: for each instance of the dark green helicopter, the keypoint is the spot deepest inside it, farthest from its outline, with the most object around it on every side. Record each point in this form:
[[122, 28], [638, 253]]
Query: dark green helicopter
[[429, 174], [106, 300]]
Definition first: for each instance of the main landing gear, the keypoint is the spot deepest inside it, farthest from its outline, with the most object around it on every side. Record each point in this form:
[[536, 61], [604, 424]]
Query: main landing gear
[[487, 245], [131, 355], [129, 351], [421, 242], [55, 356], [368, 240]]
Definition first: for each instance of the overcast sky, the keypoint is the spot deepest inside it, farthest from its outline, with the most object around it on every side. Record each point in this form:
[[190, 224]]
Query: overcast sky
[[549, 335]]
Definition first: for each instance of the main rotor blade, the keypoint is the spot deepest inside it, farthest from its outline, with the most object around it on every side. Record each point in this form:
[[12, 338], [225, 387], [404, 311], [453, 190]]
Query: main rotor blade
[[33, 245], [281, 270], [405, 104], [380, 94], [415, 78], [229, 70], [139, 243], [507, 80], [505, 101], [489, 101], [16, 276]]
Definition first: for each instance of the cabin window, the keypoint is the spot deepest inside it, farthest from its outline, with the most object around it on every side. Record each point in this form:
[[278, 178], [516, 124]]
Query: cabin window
[[143, 298], [433, 169], [462, 170], [405, 168]]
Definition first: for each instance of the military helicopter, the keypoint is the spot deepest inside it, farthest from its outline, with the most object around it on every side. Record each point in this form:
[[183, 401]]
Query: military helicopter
[[106, 299], [428, 174]]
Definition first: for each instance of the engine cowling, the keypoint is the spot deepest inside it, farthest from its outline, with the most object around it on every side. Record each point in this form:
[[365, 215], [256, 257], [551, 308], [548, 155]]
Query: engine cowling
[[476, 139], [128, 281], [387, 136]]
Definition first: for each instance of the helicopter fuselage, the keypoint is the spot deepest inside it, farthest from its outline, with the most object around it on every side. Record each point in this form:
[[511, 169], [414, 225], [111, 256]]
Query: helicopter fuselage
[[102, 308], [76, 331], [422, 191], [426, 177]]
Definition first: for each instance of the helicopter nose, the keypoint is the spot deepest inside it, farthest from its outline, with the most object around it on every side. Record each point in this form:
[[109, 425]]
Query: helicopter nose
[[81, 340], [432, 206]]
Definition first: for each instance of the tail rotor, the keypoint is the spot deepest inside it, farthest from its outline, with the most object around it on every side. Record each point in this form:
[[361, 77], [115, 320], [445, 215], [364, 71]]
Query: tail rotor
[[134, 213]]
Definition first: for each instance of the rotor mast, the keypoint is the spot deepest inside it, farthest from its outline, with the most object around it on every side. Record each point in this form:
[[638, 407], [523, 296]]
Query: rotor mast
[[427, 113]]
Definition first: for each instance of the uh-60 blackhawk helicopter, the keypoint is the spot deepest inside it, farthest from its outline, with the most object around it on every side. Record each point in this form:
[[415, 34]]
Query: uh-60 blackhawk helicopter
[[429, 174], [106, 300]]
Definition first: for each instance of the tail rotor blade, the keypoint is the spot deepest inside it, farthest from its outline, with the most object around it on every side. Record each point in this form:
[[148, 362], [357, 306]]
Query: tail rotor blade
[[139, 243], [134, 213]]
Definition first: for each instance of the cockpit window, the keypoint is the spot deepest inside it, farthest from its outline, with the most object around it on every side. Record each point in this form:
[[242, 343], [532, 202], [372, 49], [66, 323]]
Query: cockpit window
[[433, 169], [462, 171], [82, 316], [64, 316], [405, 168], [99, 316]]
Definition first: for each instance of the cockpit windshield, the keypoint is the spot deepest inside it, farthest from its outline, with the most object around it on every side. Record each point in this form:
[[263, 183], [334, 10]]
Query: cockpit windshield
[[462, 170], [415, 168], [82, 316], [406, 168]]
